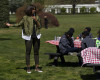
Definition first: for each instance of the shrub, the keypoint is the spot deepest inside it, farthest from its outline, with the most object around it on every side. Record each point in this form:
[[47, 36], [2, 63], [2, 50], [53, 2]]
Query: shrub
[[51, 18], [4, 13], [20, 12], [53, 11], [72, 10], [83, 10], [63, 10], [39, 7], [92, 10]]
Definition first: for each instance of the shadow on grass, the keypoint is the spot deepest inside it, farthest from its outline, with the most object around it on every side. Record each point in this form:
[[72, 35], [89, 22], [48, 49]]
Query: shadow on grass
[[2, 39], [25, 68], [89, 77], [66, 64]]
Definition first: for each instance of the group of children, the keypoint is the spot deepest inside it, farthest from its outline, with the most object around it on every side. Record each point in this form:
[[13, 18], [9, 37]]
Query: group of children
[[87, 39], [66, 43]]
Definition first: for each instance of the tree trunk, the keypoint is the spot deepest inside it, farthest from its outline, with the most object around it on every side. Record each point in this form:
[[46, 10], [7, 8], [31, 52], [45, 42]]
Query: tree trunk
[[74, 5]]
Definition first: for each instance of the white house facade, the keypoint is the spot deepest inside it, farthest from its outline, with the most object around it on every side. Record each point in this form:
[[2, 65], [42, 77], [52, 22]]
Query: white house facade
[[57, 8]]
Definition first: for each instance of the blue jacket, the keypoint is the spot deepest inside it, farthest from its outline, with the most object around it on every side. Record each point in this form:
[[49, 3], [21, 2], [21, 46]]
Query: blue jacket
[[65, 44], [87, 42], [90, 35]]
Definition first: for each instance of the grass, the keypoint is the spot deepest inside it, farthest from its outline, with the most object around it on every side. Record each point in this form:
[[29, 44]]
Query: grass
[[12, 51]]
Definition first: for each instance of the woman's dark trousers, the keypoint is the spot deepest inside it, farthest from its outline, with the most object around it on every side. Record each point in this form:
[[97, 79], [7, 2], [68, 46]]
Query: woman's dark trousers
[[36, 45]]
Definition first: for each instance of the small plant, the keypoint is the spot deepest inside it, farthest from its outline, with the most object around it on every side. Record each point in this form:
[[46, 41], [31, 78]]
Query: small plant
[[63, 10], [72, 10], [92, 10], [53, 11], [83, 9]]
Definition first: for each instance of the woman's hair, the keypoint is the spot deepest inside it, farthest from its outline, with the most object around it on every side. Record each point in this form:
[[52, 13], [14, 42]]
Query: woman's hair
[[88, 29], [85, 33], [71, 30], [69, 33], [29, 9]]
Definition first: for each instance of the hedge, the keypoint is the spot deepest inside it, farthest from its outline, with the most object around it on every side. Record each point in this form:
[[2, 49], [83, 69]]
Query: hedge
[[4, 13]]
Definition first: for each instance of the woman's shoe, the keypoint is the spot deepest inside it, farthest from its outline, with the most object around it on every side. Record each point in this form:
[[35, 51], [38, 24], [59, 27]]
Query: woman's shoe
[[38, 70], [28, 70]]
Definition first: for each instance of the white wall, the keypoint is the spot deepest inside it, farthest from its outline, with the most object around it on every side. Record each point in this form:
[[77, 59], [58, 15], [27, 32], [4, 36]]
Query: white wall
[[68, 7]]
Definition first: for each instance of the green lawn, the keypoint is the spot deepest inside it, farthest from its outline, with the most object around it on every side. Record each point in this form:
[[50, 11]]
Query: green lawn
[[12, 51]]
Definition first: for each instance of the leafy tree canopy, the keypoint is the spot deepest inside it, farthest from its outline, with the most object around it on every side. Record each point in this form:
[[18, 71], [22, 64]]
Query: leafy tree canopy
[[71, 1]]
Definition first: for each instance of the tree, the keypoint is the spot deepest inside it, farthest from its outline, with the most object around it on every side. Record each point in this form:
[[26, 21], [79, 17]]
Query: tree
[[4, 12], [34, 1], [39, 1], [77, 1], [88, 1], [14, 4], [74, 3], [50, 2], [27, 2]]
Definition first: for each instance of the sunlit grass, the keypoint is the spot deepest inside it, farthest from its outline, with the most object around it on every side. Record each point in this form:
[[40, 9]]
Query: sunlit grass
[[12, 51]]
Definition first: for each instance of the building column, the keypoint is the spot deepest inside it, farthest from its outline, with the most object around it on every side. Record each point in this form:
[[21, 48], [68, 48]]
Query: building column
[[89, 9], [78, 10], [10, 12], [66, 10], [50, 10], [59, 11], [55, 11]]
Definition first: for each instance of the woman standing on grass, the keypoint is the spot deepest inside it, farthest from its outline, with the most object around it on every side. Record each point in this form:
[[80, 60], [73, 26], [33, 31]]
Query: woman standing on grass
[[31, 29]]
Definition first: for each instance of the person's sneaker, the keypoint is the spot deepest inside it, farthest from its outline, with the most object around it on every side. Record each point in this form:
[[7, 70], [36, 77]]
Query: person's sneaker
[[28, 70], [70, 53], [38, 70]]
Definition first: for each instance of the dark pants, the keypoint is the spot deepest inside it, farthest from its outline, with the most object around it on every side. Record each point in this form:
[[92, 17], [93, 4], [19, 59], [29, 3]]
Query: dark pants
[[80, 58], [73, 49], [36, 45], [56, 57], [46, 26]]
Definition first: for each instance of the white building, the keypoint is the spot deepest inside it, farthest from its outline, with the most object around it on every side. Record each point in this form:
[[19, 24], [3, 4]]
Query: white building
[[57, 8]]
